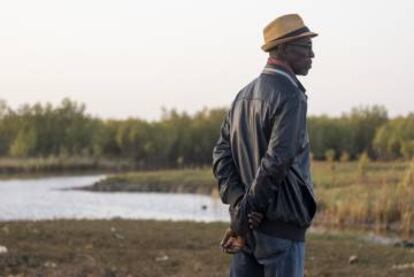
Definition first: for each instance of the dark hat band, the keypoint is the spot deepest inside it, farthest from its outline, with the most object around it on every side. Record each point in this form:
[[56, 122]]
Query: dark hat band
[[296, 32]]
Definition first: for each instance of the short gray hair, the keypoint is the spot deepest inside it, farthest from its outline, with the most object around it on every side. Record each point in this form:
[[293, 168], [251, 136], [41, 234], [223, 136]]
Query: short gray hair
[[276, 51]]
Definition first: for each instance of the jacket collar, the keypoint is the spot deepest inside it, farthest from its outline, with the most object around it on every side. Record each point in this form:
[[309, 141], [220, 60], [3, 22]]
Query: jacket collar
[[276, 66]]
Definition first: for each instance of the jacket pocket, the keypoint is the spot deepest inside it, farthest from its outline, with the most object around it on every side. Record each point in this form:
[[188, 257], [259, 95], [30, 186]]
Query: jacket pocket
[[293, 202]]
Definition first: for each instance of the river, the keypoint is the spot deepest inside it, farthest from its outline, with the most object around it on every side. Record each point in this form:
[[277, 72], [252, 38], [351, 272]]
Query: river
[[49, 198]]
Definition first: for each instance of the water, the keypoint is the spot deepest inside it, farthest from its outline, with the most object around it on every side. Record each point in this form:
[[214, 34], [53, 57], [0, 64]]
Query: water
[[46, 198]]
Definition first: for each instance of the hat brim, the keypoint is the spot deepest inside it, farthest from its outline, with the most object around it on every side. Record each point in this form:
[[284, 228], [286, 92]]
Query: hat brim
[[272, 44]]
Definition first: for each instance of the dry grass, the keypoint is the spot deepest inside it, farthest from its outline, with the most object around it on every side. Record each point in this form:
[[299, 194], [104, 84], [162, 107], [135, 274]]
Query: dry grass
[[382, 200]]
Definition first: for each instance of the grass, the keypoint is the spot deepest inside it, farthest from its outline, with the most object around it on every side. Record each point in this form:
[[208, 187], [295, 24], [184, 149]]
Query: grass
[[379, 199], [329, 175], [150, 248], [185, 180]]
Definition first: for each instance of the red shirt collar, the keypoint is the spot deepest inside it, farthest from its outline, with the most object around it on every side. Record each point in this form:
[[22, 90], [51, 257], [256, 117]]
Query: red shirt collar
[[278, 62]]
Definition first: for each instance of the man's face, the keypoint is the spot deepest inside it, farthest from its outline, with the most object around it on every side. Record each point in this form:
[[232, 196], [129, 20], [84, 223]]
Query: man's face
[[299, 55]]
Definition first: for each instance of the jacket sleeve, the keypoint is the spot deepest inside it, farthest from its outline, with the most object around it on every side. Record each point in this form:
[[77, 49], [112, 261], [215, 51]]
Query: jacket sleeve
[[274, 166], [230, 185]]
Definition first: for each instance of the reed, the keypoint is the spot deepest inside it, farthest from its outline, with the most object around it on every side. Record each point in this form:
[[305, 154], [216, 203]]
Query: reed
[[385, 207], [406, 204]]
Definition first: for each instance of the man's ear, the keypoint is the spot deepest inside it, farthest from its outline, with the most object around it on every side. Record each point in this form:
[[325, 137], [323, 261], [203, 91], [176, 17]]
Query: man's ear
[[283, 50]]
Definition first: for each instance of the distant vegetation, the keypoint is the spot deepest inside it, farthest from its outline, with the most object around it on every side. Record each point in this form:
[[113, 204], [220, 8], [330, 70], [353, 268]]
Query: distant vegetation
[[42, 131]]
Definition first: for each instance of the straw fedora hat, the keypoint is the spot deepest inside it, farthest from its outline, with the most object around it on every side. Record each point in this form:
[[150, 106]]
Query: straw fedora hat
[[283, 29]]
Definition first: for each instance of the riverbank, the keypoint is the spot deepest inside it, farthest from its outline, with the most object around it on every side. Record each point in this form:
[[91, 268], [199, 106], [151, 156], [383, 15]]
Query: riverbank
[[154, 248], [371, 195], [325, 175], [199, 181], [58, 165]]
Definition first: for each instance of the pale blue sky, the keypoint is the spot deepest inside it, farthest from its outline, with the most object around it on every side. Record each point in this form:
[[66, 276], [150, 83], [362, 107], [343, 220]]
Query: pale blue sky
[[129, 58]]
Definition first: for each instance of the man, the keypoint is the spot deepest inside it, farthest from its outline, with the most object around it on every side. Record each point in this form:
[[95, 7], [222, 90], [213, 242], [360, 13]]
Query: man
[[261, 160]]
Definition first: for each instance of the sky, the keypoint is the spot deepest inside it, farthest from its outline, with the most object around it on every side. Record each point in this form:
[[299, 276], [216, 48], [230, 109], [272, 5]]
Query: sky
[[131, 58]]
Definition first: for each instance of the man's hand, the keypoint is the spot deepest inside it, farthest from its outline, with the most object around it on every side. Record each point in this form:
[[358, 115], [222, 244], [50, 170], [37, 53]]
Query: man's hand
[[231, 242], [254, 219]]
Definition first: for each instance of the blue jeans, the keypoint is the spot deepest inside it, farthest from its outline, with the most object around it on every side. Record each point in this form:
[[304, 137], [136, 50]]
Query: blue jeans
[[267, 256]]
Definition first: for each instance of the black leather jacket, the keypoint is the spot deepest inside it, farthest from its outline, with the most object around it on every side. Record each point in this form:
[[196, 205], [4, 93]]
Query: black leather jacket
[[261, 159]]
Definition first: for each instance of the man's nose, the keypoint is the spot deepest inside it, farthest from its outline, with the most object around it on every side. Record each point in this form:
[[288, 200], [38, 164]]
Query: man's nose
[[311, 54]]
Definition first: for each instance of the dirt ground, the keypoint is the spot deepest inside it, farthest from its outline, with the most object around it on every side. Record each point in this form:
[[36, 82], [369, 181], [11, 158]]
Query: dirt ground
[[181, 249]]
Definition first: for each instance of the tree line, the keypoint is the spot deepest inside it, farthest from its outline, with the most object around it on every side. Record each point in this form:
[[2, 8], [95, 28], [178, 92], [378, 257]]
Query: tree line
[[179, 139]]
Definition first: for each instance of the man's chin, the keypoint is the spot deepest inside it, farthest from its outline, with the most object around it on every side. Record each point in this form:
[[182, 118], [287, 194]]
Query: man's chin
[[303, 72]]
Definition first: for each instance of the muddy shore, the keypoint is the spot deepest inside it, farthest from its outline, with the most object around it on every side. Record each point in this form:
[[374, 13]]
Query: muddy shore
[[151, 248]]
